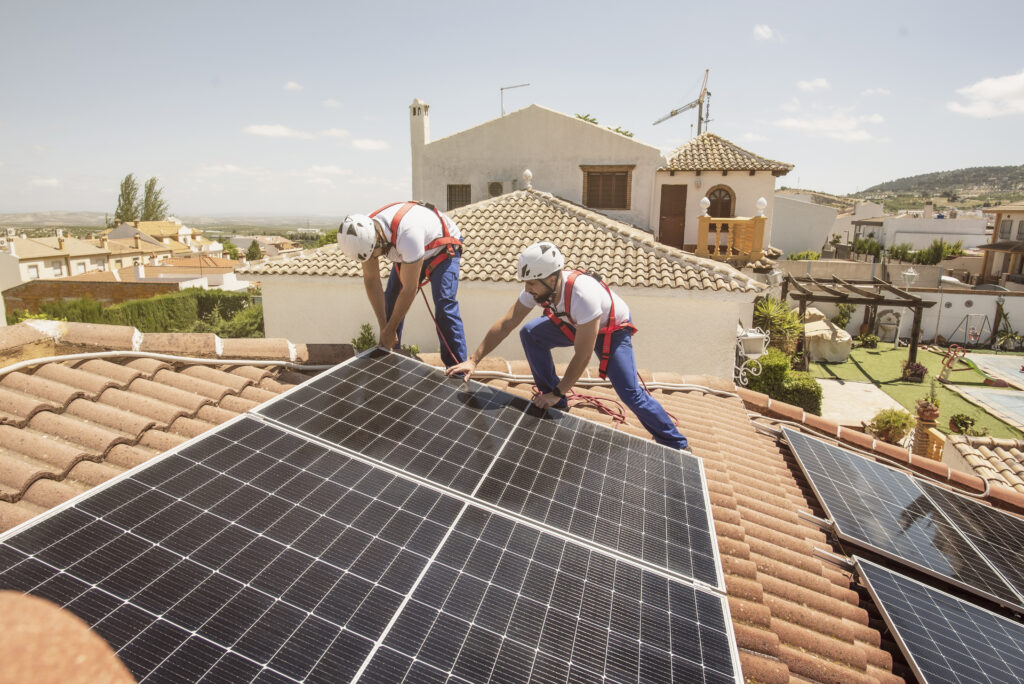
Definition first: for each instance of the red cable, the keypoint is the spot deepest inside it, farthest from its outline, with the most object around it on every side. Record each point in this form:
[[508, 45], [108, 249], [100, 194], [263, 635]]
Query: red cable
[[440, 333]]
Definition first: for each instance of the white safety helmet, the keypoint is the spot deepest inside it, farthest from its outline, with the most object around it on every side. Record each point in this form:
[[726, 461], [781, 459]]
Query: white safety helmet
[[540, 260], [357, 237]]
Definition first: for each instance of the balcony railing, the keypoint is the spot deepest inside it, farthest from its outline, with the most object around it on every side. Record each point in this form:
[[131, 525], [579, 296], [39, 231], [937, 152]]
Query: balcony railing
[[738, 240]]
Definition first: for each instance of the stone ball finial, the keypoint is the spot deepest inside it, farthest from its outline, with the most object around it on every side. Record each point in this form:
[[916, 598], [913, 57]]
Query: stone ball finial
[[704, 204], [761, 204], [527, 178]]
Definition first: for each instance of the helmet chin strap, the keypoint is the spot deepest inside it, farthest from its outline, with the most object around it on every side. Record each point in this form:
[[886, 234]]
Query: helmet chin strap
[[551, 290]]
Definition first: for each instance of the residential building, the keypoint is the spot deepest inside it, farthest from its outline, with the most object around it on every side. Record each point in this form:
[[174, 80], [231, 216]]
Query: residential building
[[800, 224], [1003, 262], [173, 233], [24, 259], [677, 300], [130, 246], [921, 231], [594, 167]]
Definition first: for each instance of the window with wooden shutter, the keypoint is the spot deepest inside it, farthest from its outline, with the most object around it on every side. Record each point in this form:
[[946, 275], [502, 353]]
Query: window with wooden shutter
[[607, 187], [458, 196]]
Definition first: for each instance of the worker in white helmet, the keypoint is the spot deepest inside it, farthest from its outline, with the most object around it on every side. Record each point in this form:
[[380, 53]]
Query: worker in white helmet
[[582, 311], [425, 246]]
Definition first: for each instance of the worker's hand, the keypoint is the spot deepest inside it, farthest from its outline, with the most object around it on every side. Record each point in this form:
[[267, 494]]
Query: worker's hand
[[466, 369], [388, 338], [548, 400]]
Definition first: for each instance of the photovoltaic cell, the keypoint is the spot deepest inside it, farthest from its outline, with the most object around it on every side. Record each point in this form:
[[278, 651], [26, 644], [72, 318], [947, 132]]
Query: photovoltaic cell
[[250, 552], [505, 602], [999, 536], [404, 413], [880, 508], [622, 492], [944, 638]]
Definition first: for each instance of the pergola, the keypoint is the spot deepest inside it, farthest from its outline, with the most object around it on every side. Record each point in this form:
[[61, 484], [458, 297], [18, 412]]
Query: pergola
[[871, 293]]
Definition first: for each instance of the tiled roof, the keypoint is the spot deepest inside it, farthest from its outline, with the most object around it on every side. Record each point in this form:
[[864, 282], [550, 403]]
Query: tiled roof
[[709, 152], [495, 231], [796, 616], [201, 261], [68, 425], [999, 461], [46, 248]]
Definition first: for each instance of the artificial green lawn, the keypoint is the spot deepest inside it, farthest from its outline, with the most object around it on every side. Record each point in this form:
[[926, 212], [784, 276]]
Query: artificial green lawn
[[883, 367]]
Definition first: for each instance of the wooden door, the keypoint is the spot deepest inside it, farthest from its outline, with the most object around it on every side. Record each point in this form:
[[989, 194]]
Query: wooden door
[[672, 225]]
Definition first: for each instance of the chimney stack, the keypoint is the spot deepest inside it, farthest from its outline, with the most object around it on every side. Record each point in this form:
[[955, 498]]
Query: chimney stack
[[419, 135], [140, 271], [138, 241]]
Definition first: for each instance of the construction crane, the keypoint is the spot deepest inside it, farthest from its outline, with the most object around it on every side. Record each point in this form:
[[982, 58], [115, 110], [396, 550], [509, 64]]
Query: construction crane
[[699, 103]]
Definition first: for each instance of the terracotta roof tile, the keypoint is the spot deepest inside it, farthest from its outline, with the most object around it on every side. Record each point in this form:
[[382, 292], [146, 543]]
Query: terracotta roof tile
[[215, 415], [159, 441], [238, 404], [189, 427], [709, 152], [181, 344], [497, 230], [94, 384], [123, 375], [209, 374], [49, 493], [252, 373], [189, 401], [97, 439], [56, 392], [17, 336], [127, 423], [163, 412], [17, 407], [147, 367], [257, 394], [257, 348], [99, 335], [194, 385], [1000, 461]]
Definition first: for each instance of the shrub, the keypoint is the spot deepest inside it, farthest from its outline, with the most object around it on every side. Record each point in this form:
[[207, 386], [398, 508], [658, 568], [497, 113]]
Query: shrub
[[808, 255], [782, 325], [914, 371], [901, 251], [842, 319], [781, 382], [869, 341], [961, 423], [366, 340], [891, 425], [867, 245]]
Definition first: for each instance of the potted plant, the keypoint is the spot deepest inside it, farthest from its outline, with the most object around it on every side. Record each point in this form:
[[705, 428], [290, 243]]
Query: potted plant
[[914, 371], [928, 407], [891, 425], [961, 423]]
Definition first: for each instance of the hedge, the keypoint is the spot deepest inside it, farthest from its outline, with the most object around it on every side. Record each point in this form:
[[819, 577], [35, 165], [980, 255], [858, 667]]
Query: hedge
[[779, 381]]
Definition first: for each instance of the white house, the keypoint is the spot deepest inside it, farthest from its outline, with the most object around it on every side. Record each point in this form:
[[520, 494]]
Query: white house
[[594, 167], [686, 308], [921, 231], [800, 224], [23, 259]]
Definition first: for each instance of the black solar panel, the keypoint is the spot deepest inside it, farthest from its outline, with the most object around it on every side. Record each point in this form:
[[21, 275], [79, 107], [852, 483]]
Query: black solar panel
[[505, 602], [997, 535], [250, 552], [404, 413], [946, 639], [261, 552], [885, 510], [622, 492]]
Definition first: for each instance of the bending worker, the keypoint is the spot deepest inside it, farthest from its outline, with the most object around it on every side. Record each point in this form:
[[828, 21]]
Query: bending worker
[[425, 246], [596, 319]]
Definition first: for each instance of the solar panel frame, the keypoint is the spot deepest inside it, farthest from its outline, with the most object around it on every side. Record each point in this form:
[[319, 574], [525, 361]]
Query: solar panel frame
[[941, 635], [856, 519]]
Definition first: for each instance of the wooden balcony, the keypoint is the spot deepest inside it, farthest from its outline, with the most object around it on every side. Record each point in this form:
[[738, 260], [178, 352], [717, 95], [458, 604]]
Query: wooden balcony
[[737, 240]]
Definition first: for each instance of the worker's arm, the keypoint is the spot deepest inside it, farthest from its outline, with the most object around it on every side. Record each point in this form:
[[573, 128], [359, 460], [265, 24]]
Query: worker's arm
[[499, 331], [374, 290], [583, 347], [410, 276]]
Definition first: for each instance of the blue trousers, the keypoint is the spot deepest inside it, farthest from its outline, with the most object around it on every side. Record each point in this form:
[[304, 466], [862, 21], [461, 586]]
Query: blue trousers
[[444, 285], [540, 336]]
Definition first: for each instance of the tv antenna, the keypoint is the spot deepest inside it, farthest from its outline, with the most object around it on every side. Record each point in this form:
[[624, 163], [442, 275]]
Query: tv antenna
[[702, 120], [521, 85]]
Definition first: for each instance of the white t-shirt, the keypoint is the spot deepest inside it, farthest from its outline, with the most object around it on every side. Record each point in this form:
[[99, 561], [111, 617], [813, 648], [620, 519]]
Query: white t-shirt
[[418, 228], [589, 299]]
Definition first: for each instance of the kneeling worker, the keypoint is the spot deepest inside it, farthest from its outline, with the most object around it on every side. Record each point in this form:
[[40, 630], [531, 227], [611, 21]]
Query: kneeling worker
[[599, 321], [425, 246]]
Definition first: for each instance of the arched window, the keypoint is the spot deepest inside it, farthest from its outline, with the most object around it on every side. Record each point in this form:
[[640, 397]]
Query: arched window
[[722, 202]]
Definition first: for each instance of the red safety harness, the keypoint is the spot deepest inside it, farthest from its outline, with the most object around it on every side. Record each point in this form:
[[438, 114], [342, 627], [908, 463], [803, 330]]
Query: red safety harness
[[604, 334], [446, 240]]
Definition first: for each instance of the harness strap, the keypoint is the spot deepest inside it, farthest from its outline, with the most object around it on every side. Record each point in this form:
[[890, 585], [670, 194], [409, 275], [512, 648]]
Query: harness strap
[[604, 334], [446, 240]]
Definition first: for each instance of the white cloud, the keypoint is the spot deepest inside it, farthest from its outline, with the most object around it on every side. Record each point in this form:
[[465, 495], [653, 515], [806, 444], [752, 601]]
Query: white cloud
[[763, 32], [791, 106], [329, 171], [875, 91], [838, 124], [998, 96], [323, 182], [335, 133], [331, 103], [44, 183], [276, 131], [292, 85], [209, 170], [812, 85], [753, 137], [369, 144]]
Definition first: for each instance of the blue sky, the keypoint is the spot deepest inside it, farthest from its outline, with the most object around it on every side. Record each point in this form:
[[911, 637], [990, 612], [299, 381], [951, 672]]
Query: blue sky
[[301, 108]]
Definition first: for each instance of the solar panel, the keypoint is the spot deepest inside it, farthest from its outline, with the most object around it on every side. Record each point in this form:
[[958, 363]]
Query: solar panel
[[944, 638], [403, 413], [885, 510], [622, 492], [250, 552], [506, 602], [997, 535], [261, 550]]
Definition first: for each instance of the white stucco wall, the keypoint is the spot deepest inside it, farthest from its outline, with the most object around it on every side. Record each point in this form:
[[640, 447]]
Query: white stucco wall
[[800, 225], [551, 145], [689, 333], [921, 232], [745, 188]]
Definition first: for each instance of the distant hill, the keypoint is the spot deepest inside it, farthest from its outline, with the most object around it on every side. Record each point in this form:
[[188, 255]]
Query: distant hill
[[975, 181], [95, 219]]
